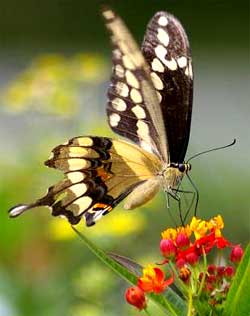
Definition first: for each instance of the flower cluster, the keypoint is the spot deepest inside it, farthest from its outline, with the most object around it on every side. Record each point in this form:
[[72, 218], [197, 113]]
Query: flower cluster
[[185, 245], [185, 250]]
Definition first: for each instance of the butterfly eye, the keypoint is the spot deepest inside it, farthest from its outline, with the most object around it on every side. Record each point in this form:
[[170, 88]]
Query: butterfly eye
[[181, 167]]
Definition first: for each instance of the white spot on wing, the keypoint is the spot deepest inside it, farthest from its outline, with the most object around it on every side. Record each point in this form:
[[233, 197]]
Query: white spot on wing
[[163, 37], [128, 63], [135, 96], [78, 189], [75, 176], [142, 129], [117, 53], [160, 52], [145, 145], [139, 112], [119, 71], [118, 104], [163, 21], [83, 203], [122, 89], [114, 119], [157, 65], [190, 70], [171, 64], [182, 62], [158, 84], [159, 96], [108, 14], [131, 79]]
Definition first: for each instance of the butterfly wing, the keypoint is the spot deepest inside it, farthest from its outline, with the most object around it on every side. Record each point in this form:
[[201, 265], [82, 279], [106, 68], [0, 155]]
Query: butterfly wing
[[166, 50], [133, 107], [99, 173]]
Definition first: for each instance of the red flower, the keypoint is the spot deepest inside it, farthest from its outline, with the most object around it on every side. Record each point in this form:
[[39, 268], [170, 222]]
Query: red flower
[[153, 280], [192, 258], [205, 243], [221, 242], [136, 297], [236, 253], [167, 248]]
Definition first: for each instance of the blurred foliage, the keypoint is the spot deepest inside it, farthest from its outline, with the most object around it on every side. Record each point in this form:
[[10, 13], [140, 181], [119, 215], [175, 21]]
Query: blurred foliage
[[52, 83]]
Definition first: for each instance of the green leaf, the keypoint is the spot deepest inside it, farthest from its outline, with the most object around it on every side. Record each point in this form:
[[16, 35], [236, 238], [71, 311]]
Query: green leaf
[[238, 302], [170, 302]]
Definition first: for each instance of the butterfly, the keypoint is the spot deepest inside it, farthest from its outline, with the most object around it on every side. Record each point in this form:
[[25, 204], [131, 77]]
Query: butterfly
[[149, 104]]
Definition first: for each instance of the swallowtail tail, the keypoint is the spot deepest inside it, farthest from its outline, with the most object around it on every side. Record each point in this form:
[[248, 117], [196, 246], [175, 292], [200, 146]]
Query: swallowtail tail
[[150, 104]]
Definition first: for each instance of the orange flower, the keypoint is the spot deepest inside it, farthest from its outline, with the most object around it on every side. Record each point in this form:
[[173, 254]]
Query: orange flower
[[153, 280]]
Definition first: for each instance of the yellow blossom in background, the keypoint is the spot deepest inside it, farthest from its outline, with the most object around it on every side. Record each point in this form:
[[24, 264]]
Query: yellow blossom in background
[[89, 67], [119, 224], [53, 83]]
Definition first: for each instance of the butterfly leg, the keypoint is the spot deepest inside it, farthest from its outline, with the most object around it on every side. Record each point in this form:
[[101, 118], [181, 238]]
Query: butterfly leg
[[196, 193]]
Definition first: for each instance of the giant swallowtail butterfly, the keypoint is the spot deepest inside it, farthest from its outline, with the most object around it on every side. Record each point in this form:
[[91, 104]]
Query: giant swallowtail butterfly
[[150, 104]]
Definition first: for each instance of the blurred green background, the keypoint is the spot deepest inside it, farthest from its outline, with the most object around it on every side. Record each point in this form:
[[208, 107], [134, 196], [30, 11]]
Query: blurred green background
[[54, 72]]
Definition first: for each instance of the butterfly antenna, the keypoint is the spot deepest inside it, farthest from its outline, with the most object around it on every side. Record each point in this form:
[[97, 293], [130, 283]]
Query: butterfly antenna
[[213, 149]]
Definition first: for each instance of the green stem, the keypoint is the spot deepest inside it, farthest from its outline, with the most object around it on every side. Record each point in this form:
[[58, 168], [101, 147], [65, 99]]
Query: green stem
[[146, 311], [204, 274], [179, 283], [190, 303], [173, 312]]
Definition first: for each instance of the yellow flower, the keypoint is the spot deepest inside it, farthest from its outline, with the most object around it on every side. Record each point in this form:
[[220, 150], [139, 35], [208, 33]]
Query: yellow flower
[[199, 227], [217, 224], [184, 230], [169, 233]]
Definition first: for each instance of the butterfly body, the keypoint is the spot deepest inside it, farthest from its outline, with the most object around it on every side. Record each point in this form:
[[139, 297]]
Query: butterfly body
[[149, 104]]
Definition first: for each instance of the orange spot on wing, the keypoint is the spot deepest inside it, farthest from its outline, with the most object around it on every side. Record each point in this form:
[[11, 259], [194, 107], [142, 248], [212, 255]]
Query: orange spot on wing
[[103, 206], [103, 174]]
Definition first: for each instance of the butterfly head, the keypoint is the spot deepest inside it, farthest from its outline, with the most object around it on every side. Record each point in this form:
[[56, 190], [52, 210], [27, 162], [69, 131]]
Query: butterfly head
[[173, 174]]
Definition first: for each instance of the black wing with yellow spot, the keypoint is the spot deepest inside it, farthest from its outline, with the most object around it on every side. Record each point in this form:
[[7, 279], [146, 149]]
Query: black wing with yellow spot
[[166, 49], [99, 173]]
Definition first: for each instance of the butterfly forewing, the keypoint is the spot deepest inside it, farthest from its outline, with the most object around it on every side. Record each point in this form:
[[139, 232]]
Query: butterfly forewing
[[133, 106], [166, 50]]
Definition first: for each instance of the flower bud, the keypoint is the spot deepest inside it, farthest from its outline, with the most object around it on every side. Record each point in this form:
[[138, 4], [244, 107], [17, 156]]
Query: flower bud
[[180, 263], [182, 241], [167, 248], [192, 258], [220, 271], [212, 269], [229, 271], [136, 297], [236, 254]]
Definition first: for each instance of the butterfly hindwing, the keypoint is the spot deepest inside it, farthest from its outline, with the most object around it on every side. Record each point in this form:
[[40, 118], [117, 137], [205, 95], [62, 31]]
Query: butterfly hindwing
[[166, 50], [99, 173]]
